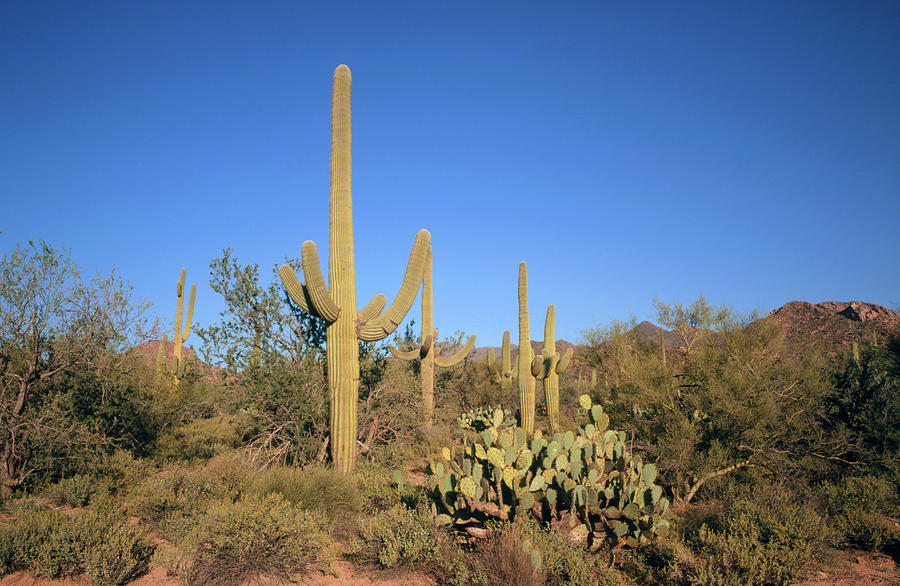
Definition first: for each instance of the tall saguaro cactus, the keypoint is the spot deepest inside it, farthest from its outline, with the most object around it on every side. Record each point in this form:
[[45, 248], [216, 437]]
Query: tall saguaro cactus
[[505, 372], [548, 365], [526, 355], [179, 335], [336, 301], [426, 351]]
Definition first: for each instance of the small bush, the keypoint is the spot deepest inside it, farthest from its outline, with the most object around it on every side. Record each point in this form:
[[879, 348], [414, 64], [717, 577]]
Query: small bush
[[121, 470], [75, 491], [565, 563], [121, 556], [401, 537], [314, 488], [199, 439], [861, 510], [51, 544], [769, 540], [252, 538], [508, 557], [178, 493]]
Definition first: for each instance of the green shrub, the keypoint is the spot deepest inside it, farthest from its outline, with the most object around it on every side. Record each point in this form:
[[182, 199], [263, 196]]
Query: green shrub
[[178, 493], [564, 562], [314, 488], [861, 509], [199, 439], [767, 540], [75, 491], [122, 555], [253, 538], [120, 470], [400, 537], [51, 544]]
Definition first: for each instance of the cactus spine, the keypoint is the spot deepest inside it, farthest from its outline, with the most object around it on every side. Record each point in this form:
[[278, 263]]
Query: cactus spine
[[179, 336], [505, 372], [548, 364], [426, 351], [336, 301], [526, 354]]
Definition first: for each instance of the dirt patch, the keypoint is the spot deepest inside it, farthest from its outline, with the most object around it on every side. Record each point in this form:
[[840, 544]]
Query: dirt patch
[[856, 568], [345, 572]]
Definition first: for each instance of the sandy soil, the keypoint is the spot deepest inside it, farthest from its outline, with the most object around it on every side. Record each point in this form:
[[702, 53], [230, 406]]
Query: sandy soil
[[857, 568]]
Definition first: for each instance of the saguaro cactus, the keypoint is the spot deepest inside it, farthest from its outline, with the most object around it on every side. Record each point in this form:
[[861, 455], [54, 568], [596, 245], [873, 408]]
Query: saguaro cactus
[[336, 301], [526, 355], [179, 336], [426, 351], [548, 365], [505, 372], [162, 361]]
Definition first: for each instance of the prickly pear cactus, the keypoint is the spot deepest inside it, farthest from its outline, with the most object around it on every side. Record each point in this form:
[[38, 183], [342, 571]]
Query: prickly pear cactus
[[588, 475]]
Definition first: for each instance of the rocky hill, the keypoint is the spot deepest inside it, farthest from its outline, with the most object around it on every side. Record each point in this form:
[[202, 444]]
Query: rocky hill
[[833, 326]]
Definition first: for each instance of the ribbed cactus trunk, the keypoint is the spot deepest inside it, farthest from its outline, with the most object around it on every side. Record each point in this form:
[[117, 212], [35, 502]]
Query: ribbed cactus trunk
[[551, 378], [526, 379], [343, 352], [504, 373], [335, 302], [426, 368], [426, 351], [548, 365], [180, 336]]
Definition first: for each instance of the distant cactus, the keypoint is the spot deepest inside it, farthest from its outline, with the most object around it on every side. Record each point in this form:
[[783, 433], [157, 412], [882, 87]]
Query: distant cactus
[[593, 378], [505, 372], [336, 302], [162, 361], [179, 335], [526, 354], [426, 351], [548, 365]]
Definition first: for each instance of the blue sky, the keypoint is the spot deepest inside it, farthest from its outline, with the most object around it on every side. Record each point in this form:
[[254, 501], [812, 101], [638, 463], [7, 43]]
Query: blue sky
[[749, 152]]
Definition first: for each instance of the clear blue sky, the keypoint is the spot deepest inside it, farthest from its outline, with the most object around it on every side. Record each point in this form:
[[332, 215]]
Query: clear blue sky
[[748, 151]]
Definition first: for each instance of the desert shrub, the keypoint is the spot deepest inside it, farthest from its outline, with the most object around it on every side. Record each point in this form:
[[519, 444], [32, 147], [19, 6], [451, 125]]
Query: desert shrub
[[400, 537], [508, 557], [199, 439], [75, 491], [565, 563], [121, 470], [51, 544], [178, 493], [254, 537], [122, 555], [863, 512], [659, 562], [767, 539], [313, 488]]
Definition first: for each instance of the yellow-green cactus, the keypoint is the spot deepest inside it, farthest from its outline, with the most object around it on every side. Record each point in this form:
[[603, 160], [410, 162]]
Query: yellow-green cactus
[[162, 361], [548, 365], [426, 351], [179, 335], [526, 354], [336, 301], [505, 372]]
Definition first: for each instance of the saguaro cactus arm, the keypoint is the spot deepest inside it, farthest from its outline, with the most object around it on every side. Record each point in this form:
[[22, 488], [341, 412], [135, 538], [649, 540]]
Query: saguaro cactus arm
[[456, 358], [190, 313], [404, 355], [315, 283], [564, 361], [372, 308], [298, 292], [380, 327]]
